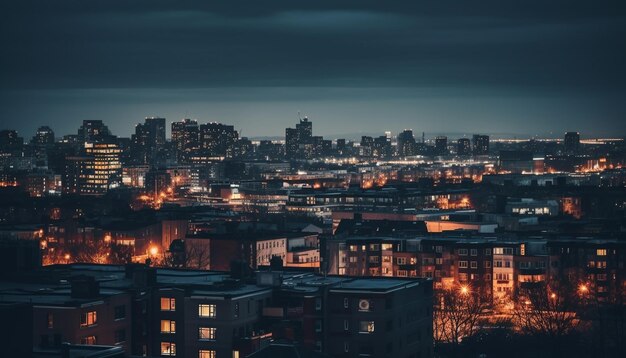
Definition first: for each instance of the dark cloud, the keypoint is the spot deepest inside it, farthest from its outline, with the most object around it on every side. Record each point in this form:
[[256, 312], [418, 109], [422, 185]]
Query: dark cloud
[[484, 50]]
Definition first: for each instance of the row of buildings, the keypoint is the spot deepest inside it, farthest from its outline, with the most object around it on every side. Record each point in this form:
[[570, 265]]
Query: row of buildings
[[183, 313]]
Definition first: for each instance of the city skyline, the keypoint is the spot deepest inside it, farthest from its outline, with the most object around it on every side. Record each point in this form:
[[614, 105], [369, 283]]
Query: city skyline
[[280, 136]]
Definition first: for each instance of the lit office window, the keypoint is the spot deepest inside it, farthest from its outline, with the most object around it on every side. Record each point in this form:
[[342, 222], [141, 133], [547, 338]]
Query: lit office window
[[168, 349], [206, 310]]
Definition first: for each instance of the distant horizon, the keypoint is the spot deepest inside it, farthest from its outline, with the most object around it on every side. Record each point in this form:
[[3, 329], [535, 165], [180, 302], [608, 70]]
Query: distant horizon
[[532, 68], [355, 136]]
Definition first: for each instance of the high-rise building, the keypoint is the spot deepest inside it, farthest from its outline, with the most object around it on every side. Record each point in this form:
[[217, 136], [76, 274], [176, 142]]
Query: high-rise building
[[291, 142], [366, 146], [10, 140], [217, 139], [572, 142], [305, 130], [95, 172], [148, 140], [300, 142], [441, 145], [93, 131], [480, 144], [185, 135], [341, 146], [382, 147], [463, 146], [406, 143], [43, 137]]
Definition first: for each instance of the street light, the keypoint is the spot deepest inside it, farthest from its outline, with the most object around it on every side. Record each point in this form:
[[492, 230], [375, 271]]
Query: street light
[[583, 288], [464, 290], [154, 250]]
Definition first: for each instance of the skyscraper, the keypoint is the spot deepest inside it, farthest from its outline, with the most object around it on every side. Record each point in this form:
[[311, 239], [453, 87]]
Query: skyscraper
[[305, 130], [217, 139], [441, 145], [572, 142], [480, 144], [185, 135], [93, 131], [463, 146], [291, 142], [95, 172], [299, 141], [148, 140], [43, 137], [406, 143]]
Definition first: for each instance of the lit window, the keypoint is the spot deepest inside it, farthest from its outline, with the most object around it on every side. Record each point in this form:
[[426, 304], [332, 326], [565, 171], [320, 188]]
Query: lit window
[[366, 327], [88, 319], [206, 310], [168, 326], [168, 304], [168, 349], [206, 354], [206, 333], [50, 320], [463, 264], [601, 252]]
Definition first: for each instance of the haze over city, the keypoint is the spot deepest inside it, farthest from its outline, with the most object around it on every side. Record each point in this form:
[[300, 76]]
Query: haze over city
[[523, 68]]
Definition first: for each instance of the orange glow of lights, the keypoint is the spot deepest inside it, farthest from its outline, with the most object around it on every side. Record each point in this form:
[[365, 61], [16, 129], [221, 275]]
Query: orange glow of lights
[[464, 290], [583, 288], [154, 250], [553, 295]]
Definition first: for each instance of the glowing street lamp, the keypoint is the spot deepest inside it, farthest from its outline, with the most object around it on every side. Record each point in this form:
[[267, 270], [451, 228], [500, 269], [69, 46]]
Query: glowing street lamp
[[154, 251], [583, 288], [464, 290]]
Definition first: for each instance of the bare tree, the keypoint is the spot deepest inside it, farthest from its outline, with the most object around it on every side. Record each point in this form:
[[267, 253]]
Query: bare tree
[[457, 314], [546, 310]]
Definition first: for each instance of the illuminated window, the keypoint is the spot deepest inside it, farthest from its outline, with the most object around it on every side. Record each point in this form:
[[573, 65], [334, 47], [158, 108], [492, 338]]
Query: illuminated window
[[88, 319], [168, 349], [206, 310], [206, 333], [168, 304], [366, 327], [463, 264], [168, 326], [203, 353], [50, 320], [601, 252]]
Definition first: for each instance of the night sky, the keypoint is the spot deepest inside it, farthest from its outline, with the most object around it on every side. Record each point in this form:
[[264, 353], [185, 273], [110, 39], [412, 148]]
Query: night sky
[[511, 68]]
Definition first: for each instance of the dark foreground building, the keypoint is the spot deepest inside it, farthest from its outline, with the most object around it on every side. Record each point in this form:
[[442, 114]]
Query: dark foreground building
[[145, 311]]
